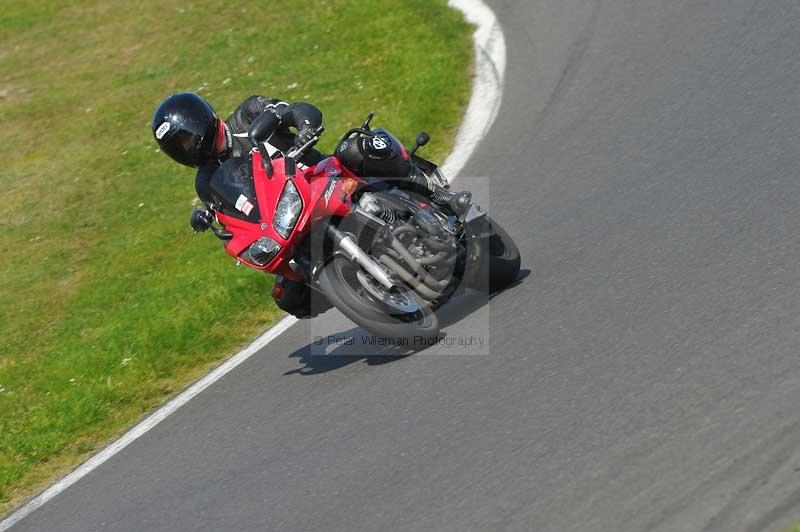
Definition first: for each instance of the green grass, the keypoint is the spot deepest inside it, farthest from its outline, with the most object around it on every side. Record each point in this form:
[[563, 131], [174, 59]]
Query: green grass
[[109, 303]]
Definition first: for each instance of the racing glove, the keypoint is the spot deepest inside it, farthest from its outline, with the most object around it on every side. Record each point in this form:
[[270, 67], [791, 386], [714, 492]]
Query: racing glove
[[201, 219], [304, 134]]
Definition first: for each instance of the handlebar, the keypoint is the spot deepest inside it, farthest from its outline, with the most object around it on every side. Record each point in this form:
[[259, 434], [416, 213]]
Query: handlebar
[[290, 157], [296, 153], [362, 131]]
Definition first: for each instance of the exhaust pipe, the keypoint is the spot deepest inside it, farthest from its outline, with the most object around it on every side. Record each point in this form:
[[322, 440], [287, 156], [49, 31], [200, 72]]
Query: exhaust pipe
[[349, 247]]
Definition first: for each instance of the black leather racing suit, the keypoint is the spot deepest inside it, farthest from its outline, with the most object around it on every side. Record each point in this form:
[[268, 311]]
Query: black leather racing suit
[[295, 115]]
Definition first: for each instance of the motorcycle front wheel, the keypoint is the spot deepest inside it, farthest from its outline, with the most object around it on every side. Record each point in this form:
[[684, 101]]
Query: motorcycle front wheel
[[399, 314]]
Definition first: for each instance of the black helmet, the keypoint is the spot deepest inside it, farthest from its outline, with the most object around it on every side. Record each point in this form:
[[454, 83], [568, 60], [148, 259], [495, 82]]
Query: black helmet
[[185, 126]]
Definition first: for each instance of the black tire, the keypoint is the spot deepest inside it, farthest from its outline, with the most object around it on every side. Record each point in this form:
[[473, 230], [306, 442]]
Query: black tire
[[500, 260], [418, 328]]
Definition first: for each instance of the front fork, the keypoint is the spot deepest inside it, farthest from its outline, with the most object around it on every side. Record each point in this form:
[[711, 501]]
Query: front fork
[[344, 243]]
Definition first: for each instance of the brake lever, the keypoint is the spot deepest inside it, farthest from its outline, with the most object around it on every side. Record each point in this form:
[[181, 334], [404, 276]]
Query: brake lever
[[294, 153], [290, 159]]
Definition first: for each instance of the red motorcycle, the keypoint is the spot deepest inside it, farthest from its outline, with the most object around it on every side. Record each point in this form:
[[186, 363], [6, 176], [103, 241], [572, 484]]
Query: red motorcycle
[[384, 255]]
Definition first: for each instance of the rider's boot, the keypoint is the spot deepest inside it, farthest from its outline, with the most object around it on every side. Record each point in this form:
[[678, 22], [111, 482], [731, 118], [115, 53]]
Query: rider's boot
[[458, 202]]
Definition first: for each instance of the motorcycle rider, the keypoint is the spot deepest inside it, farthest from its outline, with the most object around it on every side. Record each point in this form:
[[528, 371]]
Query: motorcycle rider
[[188, 129], [190, 132]]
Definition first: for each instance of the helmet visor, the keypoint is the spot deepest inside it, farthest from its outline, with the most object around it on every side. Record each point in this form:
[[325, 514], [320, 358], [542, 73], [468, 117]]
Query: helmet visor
[[182, 147]]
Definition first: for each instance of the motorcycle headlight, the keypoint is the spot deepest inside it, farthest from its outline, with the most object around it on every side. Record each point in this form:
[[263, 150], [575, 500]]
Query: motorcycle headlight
[[262, 251], [290, 205]]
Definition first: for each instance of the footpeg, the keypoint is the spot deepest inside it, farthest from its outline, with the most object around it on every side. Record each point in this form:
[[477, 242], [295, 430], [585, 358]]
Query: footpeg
[[460, 203]]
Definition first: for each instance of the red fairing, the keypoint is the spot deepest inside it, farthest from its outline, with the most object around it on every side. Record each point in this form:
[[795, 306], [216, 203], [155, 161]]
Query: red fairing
[[320, 188]]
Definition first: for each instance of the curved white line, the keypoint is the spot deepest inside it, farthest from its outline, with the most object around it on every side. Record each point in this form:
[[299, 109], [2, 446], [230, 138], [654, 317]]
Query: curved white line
[[487, 83], [487, 90]]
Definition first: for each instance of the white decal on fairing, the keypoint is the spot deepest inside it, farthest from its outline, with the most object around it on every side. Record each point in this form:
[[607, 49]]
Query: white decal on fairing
[[271, 150], [244, 205], [329, 190]]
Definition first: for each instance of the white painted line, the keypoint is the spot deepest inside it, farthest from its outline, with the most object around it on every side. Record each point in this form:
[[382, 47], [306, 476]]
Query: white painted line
[[487, 91], [487, 83], [149, 422]]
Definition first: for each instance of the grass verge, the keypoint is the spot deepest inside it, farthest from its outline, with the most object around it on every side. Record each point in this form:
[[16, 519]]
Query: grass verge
[[109, 303]]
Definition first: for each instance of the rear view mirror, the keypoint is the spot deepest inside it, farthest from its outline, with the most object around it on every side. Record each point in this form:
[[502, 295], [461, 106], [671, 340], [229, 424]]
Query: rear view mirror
[[369, 118]]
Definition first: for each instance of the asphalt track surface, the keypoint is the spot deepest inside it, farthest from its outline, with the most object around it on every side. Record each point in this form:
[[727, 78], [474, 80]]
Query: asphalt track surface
[[644, 376]]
